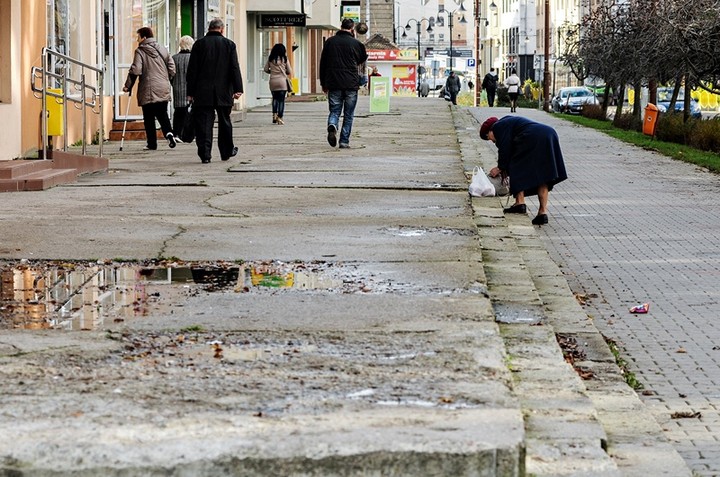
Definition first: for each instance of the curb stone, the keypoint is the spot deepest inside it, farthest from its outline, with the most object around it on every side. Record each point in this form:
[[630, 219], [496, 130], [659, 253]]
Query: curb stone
[[632, 438]]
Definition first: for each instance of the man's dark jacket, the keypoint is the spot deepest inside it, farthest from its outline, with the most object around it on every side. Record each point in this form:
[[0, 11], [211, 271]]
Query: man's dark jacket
[[213, 73], [339, 62]]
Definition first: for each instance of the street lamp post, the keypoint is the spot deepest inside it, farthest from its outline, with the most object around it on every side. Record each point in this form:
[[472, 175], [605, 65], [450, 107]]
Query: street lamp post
[[451, 15], [478, 61], [546, 62], [429, 29]]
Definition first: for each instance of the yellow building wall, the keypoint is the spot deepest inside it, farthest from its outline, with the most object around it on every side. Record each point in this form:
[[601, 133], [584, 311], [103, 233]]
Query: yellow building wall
[[32, 35], [10, 107]]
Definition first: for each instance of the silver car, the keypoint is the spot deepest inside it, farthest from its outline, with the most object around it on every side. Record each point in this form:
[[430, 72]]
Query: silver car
[[573, 99]]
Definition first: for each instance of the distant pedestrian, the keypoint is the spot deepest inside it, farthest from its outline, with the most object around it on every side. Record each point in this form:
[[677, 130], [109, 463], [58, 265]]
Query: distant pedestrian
[[489, 84], [513, 85], [278, 67], [341, 56], [214, 83], [529, 153], [179, 84], [424, 89], [452, 87], [361, 29], [375, 71], [155, 67]]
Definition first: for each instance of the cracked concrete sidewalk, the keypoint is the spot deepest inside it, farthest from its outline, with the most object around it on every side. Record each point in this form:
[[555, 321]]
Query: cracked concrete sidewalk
[[407, 374]]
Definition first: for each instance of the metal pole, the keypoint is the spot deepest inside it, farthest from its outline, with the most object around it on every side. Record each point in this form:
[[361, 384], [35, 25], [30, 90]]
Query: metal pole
[[418, 50], [43, 114], [546, 76], [476, 93], [84, 114], [127, 111], [450, 17]]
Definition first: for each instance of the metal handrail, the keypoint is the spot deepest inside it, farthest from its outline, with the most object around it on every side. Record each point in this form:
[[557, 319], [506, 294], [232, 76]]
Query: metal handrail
[[86, 96]]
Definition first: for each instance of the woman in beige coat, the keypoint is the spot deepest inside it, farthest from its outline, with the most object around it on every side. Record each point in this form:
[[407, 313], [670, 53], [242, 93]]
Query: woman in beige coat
[[279, 69], [155, 68]]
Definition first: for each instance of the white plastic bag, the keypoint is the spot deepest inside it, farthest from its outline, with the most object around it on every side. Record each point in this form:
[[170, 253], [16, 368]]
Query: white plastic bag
[[480, 186]]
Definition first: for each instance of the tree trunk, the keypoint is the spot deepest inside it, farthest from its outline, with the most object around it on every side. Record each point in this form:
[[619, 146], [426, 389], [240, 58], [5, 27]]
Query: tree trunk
[[686, 102], [637, 102], [619, 106]]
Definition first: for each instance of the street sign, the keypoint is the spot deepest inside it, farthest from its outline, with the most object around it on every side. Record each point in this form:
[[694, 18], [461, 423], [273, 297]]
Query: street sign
[[471, 62]]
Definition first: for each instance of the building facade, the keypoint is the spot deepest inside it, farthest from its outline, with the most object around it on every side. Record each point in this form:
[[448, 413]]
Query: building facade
[[101, 34]]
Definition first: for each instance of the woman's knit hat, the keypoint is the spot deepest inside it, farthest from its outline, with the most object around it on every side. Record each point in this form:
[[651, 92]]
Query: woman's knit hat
[[487, 127]]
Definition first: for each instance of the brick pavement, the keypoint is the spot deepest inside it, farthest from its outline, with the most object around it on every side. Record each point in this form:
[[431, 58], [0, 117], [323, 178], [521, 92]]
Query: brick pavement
[[631, 226]]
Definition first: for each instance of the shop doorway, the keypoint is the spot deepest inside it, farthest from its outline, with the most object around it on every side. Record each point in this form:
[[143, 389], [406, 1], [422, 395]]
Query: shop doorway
[[127, 16]]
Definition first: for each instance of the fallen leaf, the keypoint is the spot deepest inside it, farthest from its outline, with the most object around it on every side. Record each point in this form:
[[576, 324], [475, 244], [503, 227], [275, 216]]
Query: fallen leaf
[[686, 415], [681, 350]]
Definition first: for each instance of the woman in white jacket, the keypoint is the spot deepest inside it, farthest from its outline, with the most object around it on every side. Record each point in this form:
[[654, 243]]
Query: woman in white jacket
[[513, 85]]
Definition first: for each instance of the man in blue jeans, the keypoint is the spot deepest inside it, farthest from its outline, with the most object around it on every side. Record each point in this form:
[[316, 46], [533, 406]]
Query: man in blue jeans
[[339, 79]]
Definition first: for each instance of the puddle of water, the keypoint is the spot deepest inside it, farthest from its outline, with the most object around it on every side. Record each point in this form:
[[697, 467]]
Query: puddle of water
[[84, 297], [415, 232], [517, 314]]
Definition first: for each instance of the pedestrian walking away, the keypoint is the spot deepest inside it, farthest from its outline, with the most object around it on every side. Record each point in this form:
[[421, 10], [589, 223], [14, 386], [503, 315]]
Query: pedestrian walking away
[[513, 85], [278, 67], [214, 82], [489, 84], [361, 29], [452, 86], [529, 154], [424, 89], [154, 67], [179, 84], [341, 56]]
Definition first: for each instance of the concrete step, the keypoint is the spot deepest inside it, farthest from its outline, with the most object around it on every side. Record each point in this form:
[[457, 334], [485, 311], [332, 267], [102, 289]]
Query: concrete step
[[39, 180], [591, 426], [563, 435], [635, 440], [84, 164], [15, 169], [38, 174], [134, 131]]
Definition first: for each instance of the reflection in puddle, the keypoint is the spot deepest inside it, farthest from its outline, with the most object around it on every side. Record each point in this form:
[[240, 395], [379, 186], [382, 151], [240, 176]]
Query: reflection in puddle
[[84, 297]]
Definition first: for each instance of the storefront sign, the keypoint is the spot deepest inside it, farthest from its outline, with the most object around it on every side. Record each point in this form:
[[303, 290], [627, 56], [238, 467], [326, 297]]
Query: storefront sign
[[404, 80], [379, 94], [352, 12], [382, 55], [282, 20]]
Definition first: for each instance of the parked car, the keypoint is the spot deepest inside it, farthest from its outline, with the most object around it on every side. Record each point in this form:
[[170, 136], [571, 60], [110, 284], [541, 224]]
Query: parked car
[[573, 99], [664, 95]]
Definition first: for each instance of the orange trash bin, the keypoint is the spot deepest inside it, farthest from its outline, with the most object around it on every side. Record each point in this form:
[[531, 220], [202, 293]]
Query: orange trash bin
[[651, 116]]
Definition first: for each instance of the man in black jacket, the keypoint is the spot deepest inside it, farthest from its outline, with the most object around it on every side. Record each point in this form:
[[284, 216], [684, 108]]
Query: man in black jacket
[[214, 82], [339, 79], [489, 84]]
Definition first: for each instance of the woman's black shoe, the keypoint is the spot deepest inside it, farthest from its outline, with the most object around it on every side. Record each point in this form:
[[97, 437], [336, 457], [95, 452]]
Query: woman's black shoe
[[540, 219], [516, 209]]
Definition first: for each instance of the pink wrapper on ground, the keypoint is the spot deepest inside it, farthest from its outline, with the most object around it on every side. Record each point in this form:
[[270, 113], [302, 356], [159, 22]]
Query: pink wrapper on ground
[[640, 308]]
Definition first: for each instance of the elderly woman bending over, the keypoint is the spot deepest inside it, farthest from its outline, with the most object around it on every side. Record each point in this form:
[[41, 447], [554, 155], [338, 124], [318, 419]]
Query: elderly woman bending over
[[529, 153]]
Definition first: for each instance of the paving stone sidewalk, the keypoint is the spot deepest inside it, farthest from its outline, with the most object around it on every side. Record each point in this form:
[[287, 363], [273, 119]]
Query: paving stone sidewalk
[[629, 227]]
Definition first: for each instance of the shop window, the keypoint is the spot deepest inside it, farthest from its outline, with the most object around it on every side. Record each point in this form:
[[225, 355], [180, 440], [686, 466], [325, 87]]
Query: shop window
[[230, 20], [213, 9]]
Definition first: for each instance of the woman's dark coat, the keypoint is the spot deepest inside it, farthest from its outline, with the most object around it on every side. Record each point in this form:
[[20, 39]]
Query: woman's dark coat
[[529, 153]]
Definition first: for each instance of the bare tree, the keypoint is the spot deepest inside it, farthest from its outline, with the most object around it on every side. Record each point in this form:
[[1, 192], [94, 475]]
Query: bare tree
[[639, 41]]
